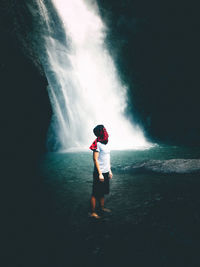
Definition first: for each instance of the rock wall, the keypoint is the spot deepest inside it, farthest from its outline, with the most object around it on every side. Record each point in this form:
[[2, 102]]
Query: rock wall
[[25, 116], [156, 47], [25, 107]]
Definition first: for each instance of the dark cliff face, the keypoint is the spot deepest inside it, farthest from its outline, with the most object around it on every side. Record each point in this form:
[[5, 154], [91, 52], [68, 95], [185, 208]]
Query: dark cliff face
[[24, 101], [156, 47], [25, 111], [25, 116]]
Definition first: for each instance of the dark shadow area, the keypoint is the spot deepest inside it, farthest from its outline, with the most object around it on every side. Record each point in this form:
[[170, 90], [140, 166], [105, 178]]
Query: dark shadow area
[[156, 47], [25, 116]]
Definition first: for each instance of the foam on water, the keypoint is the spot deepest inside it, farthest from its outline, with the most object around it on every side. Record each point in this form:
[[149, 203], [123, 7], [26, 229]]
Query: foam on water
[[180, 166]]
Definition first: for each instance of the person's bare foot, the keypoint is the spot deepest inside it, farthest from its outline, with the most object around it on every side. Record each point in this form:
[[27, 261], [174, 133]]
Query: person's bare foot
[[105, 210], [94, 215]]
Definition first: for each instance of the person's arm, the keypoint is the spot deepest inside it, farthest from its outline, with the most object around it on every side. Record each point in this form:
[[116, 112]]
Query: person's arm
[[96, 163], [110, 174]]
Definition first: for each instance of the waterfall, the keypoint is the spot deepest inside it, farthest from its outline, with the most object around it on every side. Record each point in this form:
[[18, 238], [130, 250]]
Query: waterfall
[[84, 87]]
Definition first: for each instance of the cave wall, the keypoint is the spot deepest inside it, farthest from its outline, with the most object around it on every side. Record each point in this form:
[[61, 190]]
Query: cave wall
[[25, 105], [155, 45], [25, 116]]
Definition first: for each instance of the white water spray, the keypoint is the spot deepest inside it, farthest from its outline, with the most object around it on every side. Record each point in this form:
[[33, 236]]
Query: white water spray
[[87, 90]]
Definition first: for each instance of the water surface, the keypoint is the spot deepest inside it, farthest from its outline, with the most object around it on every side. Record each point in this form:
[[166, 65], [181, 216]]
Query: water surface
[[154, 201]]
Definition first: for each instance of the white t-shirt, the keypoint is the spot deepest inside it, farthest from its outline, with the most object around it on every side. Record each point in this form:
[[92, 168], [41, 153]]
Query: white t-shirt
[[104, 157]]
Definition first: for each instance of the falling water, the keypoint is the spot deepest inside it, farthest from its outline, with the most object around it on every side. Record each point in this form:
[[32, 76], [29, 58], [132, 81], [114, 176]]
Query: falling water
[[84, 86]]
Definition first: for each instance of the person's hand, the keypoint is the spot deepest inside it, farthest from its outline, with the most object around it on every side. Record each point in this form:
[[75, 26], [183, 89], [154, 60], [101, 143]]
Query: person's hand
[[110, 175], [101, 178]]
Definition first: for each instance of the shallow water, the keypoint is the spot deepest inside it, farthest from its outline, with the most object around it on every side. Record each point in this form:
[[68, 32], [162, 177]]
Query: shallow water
[[155, 210]]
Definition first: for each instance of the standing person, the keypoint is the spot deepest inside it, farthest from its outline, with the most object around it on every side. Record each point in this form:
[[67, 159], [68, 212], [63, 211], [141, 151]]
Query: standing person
[[102, 170]]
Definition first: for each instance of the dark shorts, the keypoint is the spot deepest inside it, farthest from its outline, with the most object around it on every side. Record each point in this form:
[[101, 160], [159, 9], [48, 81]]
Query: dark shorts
[[100, 188]]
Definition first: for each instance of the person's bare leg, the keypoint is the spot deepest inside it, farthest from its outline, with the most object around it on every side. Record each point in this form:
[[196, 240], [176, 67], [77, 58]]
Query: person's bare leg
[[93, 205], [101, 200]]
